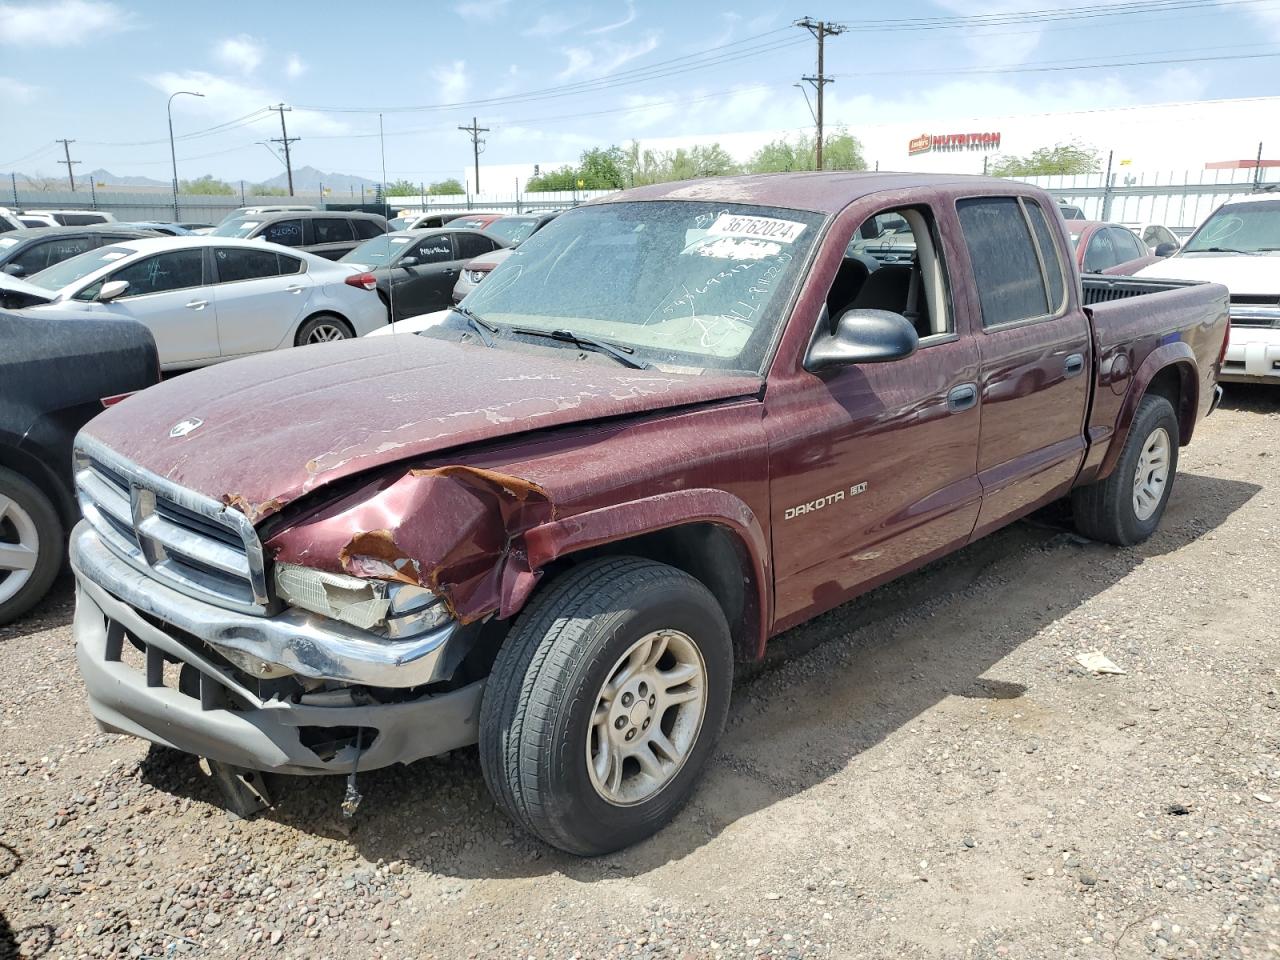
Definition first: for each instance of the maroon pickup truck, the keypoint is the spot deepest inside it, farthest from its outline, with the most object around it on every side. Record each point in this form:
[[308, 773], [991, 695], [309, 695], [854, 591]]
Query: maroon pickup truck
[[672, 425]]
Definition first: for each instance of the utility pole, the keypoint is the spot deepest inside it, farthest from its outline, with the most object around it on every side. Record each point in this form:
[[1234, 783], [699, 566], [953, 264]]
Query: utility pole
[[476, 143], [71, 174], [286, 140], [821, 29]]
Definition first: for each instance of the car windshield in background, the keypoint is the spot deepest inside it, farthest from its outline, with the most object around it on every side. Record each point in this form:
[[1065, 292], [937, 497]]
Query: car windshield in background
[[69, 271], [399, 223], [1240, 228], [511, 230], [682, 283], [379, 250], [467, 223], [239, 227]]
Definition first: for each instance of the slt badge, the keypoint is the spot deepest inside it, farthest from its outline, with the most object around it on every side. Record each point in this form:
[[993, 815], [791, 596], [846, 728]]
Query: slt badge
[[183, 427]]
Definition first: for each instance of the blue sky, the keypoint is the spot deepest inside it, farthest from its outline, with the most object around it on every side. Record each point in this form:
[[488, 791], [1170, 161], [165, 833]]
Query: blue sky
[[99, 72]]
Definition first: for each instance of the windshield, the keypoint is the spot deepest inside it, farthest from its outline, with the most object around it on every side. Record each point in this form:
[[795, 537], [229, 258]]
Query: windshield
[[511, 230], [379, 250], [686, 283], [69, 271], [239, 227], [399, 223], [1244, 227]]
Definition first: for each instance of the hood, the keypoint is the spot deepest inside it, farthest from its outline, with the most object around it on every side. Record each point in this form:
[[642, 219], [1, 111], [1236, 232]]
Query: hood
[[277, 425], [1241, 273], [16, 293]]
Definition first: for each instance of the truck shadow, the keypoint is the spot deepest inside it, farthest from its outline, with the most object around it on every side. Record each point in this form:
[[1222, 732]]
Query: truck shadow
[[826, 693]]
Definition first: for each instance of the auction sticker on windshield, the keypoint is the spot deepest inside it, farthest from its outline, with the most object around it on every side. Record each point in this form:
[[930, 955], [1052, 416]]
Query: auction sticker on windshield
[[762, 228]]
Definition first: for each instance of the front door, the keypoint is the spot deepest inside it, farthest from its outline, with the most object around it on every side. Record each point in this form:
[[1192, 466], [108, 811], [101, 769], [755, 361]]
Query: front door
[[1036, 350], [872, 466], [171, 294], [426, 283]]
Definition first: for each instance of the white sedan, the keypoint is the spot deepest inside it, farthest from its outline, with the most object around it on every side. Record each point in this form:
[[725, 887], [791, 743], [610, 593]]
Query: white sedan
[[207, 299]]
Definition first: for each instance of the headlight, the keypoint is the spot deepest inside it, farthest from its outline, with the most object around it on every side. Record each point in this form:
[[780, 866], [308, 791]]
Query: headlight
[[475, 276], [394, 610]]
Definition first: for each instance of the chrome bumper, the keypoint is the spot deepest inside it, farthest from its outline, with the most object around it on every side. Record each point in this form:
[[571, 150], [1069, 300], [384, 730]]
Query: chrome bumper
[[304, 644], [216, 711]]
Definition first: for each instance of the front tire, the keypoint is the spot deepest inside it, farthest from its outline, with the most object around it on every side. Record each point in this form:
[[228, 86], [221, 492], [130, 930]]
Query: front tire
[[605, 703], [323, 328], [31, 544], [1126, 507]]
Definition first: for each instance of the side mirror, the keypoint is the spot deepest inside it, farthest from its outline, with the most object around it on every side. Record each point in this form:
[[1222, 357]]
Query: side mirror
[[407, 262], [14, 269], [1166, 249], [862, 336], [111, 290]]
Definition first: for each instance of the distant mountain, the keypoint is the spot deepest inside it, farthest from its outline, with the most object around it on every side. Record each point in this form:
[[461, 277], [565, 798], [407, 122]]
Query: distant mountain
[[111, 180], [309, 180]]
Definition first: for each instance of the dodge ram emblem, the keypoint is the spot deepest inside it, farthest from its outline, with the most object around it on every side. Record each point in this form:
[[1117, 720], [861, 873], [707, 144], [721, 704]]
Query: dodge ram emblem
[[183, 427]]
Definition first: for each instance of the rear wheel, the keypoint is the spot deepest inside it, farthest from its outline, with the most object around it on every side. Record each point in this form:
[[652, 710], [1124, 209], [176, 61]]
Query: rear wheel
[[605, 703], [31, 544], [1126, 507], [323, 328]]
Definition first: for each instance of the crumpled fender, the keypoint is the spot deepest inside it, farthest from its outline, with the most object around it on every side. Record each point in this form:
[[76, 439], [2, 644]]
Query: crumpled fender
[[1166, 355], [453, 529]]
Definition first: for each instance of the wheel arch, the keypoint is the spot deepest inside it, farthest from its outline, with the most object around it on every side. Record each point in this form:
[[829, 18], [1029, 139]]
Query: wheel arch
[[326, 311], [1169, 371], [57, 489], [709, 534]]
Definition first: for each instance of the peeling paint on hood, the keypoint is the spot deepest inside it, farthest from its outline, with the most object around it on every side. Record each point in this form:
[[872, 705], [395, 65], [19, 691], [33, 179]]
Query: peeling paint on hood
[[278, 425]]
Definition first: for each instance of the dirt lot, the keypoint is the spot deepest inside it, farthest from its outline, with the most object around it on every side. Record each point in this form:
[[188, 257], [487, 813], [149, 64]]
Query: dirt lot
[[923, 773]]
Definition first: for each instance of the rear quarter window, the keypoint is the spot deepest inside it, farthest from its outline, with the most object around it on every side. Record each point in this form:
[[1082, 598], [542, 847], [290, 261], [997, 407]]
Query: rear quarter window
[[1006, 269]]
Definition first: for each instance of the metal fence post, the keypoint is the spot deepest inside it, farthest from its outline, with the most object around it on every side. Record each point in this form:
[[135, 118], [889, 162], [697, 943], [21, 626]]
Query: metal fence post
[[13, 182], [1107, 186], [93, 195]]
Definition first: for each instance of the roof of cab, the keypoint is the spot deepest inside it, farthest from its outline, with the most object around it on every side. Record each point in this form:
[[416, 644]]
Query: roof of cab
[[826, 192]]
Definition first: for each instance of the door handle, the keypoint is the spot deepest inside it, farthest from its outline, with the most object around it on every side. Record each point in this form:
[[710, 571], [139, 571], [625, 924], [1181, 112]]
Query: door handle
[[198, 304], [962, 397], [294, 288], [451, 273], [1074, 364]]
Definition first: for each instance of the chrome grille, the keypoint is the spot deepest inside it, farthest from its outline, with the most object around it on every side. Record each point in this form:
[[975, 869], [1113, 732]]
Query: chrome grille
[[183, 539]]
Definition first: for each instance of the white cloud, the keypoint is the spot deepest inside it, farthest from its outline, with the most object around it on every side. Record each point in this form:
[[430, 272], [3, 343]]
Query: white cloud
[[604, 58], [294, 67], [62, 23], [625, 21], [483, 10], [15, 91], [242, 53], [549, 25], [226, 97], [451, 81]]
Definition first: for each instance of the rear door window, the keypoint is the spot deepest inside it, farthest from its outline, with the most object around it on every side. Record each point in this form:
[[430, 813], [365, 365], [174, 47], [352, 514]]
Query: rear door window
[[1128, 247], [368, 229], [235, 264], [1100, 253], [1006, 269], [473, 245], [333, 230], [287, 232]]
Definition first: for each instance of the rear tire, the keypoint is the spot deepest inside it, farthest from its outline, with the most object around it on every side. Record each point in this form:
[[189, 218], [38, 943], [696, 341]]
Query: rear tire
[[1126, 507], [31, 544], [323, 328], [605, 703]]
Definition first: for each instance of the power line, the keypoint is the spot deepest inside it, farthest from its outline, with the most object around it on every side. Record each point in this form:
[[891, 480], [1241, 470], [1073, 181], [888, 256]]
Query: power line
[[976, 71]]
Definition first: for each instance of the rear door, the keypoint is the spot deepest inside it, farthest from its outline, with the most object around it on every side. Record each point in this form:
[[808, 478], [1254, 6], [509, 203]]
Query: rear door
[[260, 296], [1035, 347], [172, 295], [331, 237], [426, 284]]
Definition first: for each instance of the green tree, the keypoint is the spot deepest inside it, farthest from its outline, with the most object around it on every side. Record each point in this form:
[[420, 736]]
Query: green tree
[[602, 169], [1062, 158], [206, 186], [443, 188], [403, 188], [840, 151], [262, 190]]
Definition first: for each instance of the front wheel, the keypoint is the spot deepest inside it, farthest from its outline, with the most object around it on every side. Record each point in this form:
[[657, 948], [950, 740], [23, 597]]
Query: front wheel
[[31, 544], [605, 703], [1126, 507], [323, 328]]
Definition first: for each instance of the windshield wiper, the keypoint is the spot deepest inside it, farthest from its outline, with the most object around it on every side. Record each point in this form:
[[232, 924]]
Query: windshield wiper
[[1247, 253], [619, 353], [483, 328]]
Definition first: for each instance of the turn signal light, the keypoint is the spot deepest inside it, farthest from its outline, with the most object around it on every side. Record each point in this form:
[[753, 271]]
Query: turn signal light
[[366, 280]]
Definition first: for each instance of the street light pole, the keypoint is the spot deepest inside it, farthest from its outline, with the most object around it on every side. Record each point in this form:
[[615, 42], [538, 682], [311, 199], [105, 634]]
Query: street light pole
[[173, 154]]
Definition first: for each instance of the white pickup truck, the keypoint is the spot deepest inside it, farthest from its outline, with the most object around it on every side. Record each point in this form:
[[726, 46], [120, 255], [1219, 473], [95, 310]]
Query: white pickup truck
[[1239, 246]]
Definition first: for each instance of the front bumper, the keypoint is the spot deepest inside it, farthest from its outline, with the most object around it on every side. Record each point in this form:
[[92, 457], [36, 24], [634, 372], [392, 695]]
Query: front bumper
[[1253, 355], [185, 694]]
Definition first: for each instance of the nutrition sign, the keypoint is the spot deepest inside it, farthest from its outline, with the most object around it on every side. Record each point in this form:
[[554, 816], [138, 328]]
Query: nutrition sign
[[951, 142]]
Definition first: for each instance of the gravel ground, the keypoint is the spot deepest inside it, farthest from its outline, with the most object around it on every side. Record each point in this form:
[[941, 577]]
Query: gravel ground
[[924, 773]]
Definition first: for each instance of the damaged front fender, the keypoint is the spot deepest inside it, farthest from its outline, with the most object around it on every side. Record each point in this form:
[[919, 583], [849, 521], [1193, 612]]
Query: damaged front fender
[[455, 530]]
